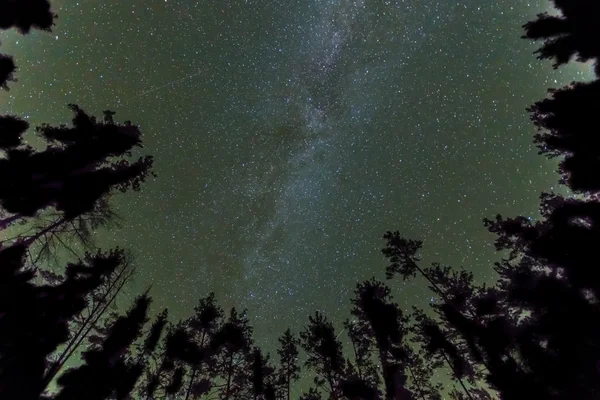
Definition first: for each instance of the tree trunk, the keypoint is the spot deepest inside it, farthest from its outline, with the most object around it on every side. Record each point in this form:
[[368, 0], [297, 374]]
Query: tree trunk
[[456, 375], [417, 383], [27, 242], [289, 379], [229, 374], [81, 334], [189, 389], [360, 376]]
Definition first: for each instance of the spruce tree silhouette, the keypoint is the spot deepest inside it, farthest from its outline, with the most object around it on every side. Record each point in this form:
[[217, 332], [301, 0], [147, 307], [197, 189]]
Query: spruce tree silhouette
[[289, 369], [11, 129], [165, 370], [7, 74], [436, 344], [363, 368], [421, 370], [261, 378], [202, 327], [35, 318], [25, 15], [574, 33], [232, 344], [85, 325], [74, 171], [325, 354], [563, 121], [106, 371], [381, 320]]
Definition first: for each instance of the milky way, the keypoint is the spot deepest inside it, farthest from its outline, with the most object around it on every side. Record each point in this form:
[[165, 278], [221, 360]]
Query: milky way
[[289, 136]]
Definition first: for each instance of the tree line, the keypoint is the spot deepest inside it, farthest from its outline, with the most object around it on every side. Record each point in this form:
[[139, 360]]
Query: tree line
[[534, 333]]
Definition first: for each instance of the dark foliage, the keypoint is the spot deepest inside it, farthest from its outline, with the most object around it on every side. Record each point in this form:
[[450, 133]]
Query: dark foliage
[[34, 319], [289, 368], [402, 254], [381, 320], [565, 122], [11, 130], [574, 33], [261, 378], [106, 371], [7, 74], [25, 15], [324, 352], [232, 344], [202, 328], [73, 172]]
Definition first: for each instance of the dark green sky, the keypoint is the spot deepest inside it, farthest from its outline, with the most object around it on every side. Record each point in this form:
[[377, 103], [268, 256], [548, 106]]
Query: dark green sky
[[289, 135]]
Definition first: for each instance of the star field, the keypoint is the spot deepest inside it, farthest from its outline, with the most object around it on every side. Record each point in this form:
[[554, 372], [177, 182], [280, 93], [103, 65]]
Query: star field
[[290, 135]]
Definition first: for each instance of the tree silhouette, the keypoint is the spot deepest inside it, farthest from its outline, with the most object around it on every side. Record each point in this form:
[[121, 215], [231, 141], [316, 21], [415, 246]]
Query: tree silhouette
[[563, 121], [98, 302], [381, 320], [324, 353], [165, 369], [363, 368], [25, 15], [35, 318], [574, 33], [202, 327], [73, 172], [233, 341], [289, 370], [7, 74], [312, 394], [261, 378], [420, 370], [106, 371]]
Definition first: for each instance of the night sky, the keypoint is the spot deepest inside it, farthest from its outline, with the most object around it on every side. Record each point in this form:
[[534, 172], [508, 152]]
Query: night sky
[[290, 135]]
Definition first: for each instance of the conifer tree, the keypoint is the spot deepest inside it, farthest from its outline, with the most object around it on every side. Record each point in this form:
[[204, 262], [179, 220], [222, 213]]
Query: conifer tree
[[325, 356], [73, 172], [165, 367], [106, 371], [35, 318], [7, 74], [98, 303], [572, 33], [26, 15], [381, 323], [202, 327], [289, 369], [262, 375], [233, 342], [312, 394]]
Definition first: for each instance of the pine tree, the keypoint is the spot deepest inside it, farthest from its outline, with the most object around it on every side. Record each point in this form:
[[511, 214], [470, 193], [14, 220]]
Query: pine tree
[[165, 367], [325, 356], [262, 375], [106, 370], [98, 303], [7, 74], [202, 327], [35, 318], [232, 344], [364, 369], [381, 323], [312, 394], [289, 370], [26, 15], [420, 371], [73, 172], [573, 33]]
